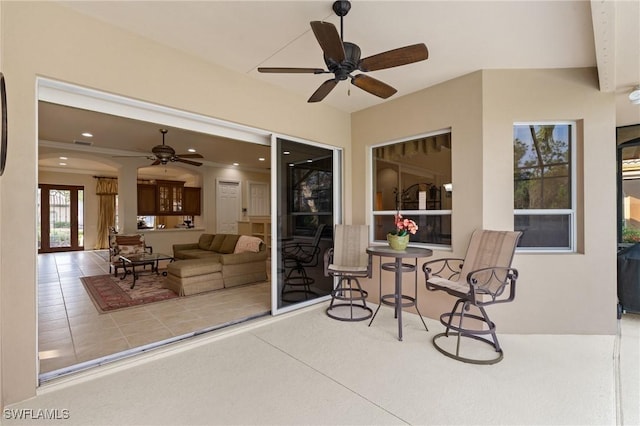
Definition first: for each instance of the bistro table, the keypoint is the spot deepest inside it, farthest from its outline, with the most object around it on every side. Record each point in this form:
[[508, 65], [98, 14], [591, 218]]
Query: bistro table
[[397, 299]]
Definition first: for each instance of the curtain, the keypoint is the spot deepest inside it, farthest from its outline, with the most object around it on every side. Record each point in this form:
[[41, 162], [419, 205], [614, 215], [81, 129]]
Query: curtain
[[106, 190]]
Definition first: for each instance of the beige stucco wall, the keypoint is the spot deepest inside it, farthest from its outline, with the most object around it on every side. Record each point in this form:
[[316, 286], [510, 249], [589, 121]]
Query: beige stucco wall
[[573, 293], [45, 39]]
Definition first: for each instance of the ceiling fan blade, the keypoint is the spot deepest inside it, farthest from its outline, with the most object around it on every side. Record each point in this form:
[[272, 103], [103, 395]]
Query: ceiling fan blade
[[373, 86], [324, 89], [329, 40], [155, 163], [394, 58], [193, 163], [189, 156], [292, 70]]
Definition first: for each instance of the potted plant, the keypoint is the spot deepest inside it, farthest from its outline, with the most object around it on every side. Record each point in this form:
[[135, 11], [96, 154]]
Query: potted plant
[[398, 238]]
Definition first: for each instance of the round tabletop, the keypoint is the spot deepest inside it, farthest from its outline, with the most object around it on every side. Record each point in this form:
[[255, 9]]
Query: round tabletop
[[409, 252]]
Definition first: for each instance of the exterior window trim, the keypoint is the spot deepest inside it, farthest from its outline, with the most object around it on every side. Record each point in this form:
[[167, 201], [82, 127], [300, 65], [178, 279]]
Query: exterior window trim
[[572, 212]]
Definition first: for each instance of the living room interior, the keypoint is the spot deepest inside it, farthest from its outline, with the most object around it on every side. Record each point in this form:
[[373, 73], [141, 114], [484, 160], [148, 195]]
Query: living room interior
[[479, 107], [66, 314]]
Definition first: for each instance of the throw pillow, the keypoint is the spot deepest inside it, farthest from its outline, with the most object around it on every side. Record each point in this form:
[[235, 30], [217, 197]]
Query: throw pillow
[[246, 243], [128, 250], [128, 240]]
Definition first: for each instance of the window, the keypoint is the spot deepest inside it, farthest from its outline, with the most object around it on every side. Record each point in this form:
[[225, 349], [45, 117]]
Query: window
[[413, 177], [544, 192]]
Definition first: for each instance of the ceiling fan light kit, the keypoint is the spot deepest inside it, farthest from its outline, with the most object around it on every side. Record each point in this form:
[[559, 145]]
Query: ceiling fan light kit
[[343, 58]]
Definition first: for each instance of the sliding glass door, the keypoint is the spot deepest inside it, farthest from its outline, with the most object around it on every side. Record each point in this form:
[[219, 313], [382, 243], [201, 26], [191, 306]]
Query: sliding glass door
[[307, 201]]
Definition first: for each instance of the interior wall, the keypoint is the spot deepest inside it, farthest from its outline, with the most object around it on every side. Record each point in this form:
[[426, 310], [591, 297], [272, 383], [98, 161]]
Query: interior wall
[[47, 39], [561, 293]]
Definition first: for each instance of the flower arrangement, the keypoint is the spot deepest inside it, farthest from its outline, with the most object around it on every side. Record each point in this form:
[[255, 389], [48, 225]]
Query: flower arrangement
[[404, 226]]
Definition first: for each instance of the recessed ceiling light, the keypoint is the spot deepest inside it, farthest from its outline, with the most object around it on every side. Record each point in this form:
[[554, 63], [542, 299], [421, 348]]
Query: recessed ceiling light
[[63, 164], [63, 158], [286, 152], [191, 150], [236, 164], [261, 159], [290, 164], [309, 160], [87, 135]]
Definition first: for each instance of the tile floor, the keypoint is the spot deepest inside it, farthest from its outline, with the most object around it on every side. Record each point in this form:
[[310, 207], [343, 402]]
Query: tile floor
[[72, 331]]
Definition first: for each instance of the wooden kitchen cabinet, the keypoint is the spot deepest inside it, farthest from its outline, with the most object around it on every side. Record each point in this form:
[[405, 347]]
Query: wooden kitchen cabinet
[[191, 201], [147, 200], [167, 198], [170, 197]]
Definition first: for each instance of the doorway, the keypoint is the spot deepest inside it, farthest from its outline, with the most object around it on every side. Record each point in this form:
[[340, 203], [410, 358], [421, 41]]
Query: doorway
[[60, 218], [228, 196]]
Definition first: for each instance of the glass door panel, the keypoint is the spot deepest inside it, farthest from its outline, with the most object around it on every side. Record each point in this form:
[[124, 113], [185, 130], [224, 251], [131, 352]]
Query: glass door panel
[[59, 218], [307, 181], [629, 193], [61, 221]]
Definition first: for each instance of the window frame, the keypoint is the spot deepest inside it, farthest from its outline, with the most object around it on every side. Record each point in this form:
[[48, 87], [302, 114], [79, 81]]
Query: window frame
[[571, 212], [411, 214]]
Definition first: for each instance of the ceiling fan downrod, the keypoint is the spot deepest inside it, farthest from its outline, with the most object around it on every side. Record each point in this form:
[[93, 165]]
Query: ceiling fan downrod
[[341, 8]]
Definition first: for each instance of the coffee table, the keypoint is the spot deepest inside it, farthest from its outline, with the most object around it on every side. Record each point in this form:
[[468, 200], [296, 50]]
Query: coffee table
[[131, 261]]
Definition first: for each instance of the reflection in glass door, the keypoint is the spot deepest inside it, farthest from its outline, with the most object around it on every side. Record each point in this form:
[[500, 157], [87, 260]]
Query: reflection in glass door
[[307, 206], [60, 218]]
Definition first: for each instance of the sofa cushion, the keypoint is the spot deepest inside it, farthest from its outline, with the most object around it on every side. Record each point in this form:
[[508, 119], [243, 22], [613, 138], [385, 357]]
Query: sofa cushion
[[216, 242], [229, 243], [246, 243], [193, 267], [199, 254], [204, 242]]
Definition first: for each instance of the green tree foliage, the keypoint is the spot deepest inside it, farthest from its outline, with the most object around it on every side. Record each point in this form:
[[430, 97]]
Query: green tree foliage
[[542, 167]]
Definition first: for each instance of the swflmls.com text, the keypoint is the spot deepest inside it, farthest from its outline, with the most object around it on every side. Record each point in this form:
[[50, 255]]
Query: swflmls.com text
[[35, 414]]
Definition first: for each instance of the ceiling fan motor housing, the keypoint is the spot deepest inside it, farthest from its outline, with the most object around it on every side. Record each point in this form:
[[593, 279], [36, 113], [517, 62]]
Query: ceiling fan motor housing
[[350, 63], [163, 152]]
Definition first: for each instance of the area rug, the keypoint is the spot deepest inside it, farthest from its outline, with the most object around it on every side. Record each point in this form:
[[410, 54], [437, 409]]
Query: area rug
[[110, 293]]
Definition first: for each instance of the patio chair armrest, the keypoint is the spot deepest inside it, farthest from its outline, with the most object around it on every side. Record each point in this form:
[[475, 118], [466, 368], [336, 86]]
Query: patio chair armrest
[[447, 267], [492, 281]]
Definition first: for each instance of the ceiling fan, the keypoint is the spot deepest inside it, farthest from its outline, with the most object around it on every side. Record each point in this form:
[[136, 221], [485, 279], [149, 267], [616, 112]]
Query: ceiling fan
[[163, 154], [342, 58]]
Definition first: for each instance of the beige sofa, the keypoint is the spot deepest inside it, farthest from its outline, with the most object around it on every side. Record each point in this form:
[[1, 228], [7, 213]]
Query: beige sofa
[[216, 261]]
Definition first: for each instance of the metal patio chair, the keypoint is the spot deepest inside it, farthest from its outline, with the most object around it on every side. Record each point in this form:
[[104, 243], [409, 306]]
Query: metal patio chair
[[484, 277], [348, 260]]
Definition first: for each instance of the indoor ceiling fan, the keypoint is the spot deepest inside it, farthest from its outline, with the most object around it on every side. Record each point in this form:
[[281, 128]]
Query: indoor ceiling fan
[[342, 58], [163, 154]]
